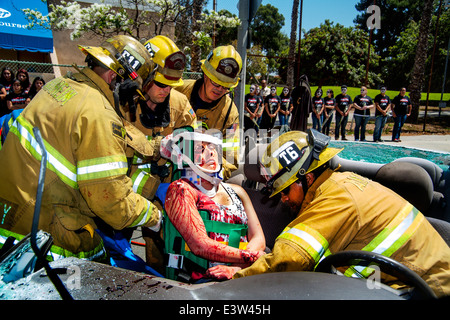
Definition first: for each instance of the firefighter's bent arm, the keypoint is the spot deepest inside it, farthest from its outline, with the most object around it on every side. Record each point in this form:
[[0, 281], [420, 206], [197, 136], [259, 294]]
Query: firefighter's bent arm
[[101, 174]]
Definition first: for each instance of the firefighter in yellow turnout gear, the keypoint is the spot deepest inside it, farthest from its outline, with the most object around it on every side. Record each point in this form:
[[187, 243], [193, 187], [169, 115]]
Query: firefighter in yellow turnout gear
[[159, 113], [213, 105], [337, 211], [86, 141], [162, 110]]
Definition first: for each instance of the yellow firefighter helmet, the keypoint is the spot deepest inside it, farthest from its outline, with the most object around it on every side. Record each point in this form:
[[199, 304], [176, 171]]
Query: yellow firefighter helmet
[[292, 155], [223, 66], [126, 56], [170, 60]]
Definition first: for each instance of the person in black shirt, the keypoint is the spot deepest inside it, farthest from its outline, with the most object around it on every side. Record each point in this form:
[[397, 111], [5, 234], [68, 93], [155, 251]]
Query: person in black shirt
[[36, 86], [329, 103], [362, 104], [382, 107], [261, 104], [318, 107], [401, 109], [285, 107], [251, 106], [16, 98], [271, 107], [343, 106], [6, 79], [24, 78]]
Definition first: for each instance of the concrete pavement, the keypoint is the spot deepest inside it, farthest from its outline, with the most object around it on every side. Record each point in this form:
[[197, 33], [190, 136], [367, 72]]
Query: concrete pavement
[[432, 142], [435, 142]]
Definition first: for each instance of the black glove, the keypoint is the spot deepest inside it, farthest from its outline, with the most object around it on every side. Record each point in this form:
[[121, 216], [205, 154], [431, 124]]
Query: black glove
[[127, 92]]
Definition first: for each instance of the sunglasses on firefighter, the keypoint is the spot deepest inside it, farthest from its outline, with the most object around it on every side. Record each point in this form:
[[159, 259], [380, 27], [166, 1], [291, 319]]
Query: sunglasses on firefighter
[[218, 85], [161, 85]]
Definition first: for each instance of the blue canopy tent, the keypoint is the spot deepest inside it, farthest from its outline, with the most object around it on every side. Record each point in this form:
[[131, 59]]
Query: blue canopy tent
[[14, 33]]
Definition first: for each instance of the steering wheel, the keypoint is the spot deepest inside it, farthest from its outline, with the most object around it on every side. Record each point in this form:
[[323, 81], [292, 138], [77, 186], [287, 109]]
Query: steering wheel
[[386, 264]]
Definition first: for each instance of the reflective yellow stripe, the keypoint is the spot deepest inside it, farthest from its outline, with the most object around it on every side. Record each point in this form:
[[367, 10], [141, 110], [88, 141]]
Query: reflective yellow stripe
[[388, 241], [103, 167], [145, 215], [139, 179], [230, 144], [63, 168], [89, 169], [56, 252], [308, 238]]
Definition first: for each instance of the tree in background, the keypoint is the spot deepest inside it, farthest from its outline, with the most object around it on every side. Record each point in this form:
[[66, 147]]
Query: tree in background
[[441, 51], [197, 8], [292, 45], [397, 66], [266, 32], [395, 17], [222, 24], [404, 47], [420, 59], [257, 63], [335, 55], [137, 18]]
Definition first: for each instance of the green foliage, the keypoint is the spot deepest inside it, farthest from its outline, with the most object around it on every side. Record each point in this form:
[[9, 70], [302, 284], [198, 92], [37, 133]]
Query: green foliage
[[266, 33], [256, 63], [337, 55], [395, 16], [396, 41], [266, 28], [397, 66], [225, 33]]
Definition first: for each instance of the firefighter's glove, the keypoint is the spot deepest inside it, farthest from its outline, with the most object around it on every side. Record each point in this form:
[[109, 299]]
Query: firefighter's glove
[[127, 93]]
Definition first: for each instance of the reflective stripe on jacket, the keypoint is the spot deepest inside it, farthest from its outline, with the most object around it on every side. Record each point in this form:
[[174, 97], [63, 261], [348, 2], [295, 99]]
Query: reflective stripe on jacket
[[345, 211], [86, 141]]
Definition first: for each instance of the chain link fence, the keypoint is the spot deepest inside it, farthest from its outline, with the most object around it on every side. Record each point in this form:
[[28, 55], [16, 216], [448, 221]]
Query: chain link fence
[[46, 70], [31, 67]]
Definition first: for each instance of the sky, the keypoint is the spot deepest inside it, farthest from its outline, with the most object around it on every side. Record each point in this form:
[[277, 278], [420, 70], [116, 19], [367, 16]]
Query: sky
[[315, 12]]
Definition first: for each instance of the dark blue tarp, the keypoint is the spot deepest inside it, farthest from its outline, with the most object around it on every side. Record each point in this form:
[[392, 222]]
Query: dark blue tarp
[[14, 33]]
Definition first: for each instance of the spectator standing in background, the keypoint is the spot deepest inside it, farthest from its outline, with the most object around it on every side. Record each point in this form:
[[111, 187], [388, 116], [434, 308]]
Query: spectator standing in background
[[251, 108], [261, 105], [343, 107], [382, 107], [301, 98], [318, 107], [401, 109], [286, 106], [7, 78], [271, 107], [329, 103], [362, 104], [265, 90], [16, 98]]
